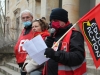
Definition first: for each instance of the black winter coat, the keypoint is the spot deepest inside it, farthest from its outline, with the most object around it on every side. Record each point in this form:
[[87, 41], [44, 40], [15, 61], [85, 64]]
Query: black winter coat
[[74, 57]]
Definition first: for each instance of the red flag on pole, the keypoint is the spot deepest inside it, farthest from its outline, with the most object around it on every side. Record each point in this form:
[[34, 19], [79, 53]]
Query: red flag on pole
[[90, 26]]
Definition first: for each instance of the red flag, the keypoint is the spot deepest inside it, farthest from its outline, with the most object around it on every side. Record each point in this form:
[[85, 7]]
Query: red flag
[[90, 26]]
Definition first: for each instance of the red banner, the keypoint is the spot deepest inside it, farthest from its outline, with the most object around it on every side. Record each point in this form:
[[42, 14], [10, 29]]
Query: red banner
[[90, 26]]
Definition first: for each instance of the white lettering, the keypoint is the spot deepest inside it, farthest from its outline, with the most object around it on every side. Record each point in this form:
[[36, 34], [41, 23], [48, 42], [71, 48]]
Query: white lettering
[[95, 46], [20, 45], [93, 39], [93, 25], [97, 36], [89, 31], [97, 53], [99, 42], [95, 29]]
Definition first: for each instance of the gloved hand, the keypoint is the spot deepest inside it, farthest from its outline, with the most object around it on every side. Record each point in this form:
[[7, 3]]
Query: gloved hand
[[49, 41], [49, 52]]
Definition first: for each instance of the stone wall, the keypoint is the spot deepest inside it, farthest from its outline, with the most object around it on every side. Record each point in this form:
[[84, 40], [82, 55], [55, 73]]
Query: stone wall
[[6, 53]]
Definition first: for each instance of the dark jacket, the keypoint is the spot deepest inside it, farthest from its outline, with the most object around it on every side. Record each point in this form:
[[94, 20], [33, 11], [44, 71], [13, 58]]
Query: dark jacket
[[72, 58]]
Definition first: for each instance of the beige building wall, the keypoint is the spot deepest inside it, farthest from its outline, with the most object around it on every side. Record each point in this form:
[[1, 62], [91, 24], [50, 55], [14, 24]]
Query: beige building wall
[[72, 6], [97, 2], [51, 4], [41, 8], [11, 10]]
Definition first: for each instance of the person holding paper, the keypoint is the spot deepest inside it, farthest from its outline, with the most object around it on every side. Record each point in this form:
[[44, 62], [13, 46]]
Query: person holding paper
[[39, 27], [26, 35], [67, 57]]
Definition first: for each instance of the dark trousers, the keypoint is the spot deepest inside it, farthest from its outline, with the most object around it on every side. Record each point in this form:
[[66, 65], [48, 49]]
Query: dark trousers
[[37, 72], [23, 73]]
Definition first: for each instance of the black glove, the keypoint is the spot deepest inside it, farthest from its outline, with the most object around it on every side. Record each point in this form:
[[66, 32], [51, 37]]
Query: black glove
[[49, 52], [49, 41]]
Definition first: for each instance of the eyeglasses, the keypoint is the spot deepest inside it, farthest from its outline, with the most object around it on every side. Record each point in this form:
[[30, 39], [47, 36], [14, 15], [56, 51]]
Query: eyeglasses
[[38, 20]]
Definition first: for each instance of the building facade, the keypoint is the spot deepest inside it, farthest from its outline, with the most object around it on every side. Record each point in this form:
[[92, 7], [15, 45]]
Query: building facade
[[42, 8], [12, 26]]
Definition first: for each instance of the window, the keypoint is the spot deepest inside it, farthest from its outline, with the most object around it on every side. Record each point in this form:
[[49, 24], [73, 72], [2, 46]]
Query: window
[[8, 21], [17, 23]]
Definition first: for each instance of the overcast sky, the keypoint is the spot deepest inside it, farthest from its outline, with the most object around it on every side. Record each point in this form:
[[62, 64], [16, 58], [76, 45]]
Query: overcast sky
[[2, 2], [2, 5]]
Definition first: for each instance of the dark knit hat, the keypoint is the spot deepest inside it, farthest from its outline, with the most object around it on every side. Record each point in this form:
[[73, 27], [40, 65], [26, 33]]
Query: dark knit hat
[[59, 14]]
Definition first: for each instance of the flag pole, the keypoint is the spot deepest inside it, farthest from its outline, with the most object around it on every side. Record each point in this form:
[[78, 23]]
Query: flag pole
[[64, 35]]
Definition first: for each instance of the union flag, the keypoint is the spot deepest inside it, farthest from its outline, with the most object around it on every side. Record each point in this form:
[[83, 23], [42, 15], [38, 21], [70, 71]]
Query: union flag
[[90, 27]]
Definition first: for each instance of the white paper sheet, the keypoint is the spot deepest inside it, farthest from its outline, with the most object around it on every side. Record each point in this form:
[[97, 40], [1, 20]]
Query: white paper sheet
[[36, 48]]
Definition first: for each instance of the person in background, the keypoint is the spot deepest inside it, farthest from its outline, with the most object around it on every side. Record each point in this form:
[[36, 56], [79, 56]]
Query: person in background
[[39, 27], [68, 56], [26, 34], [44, 19]]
